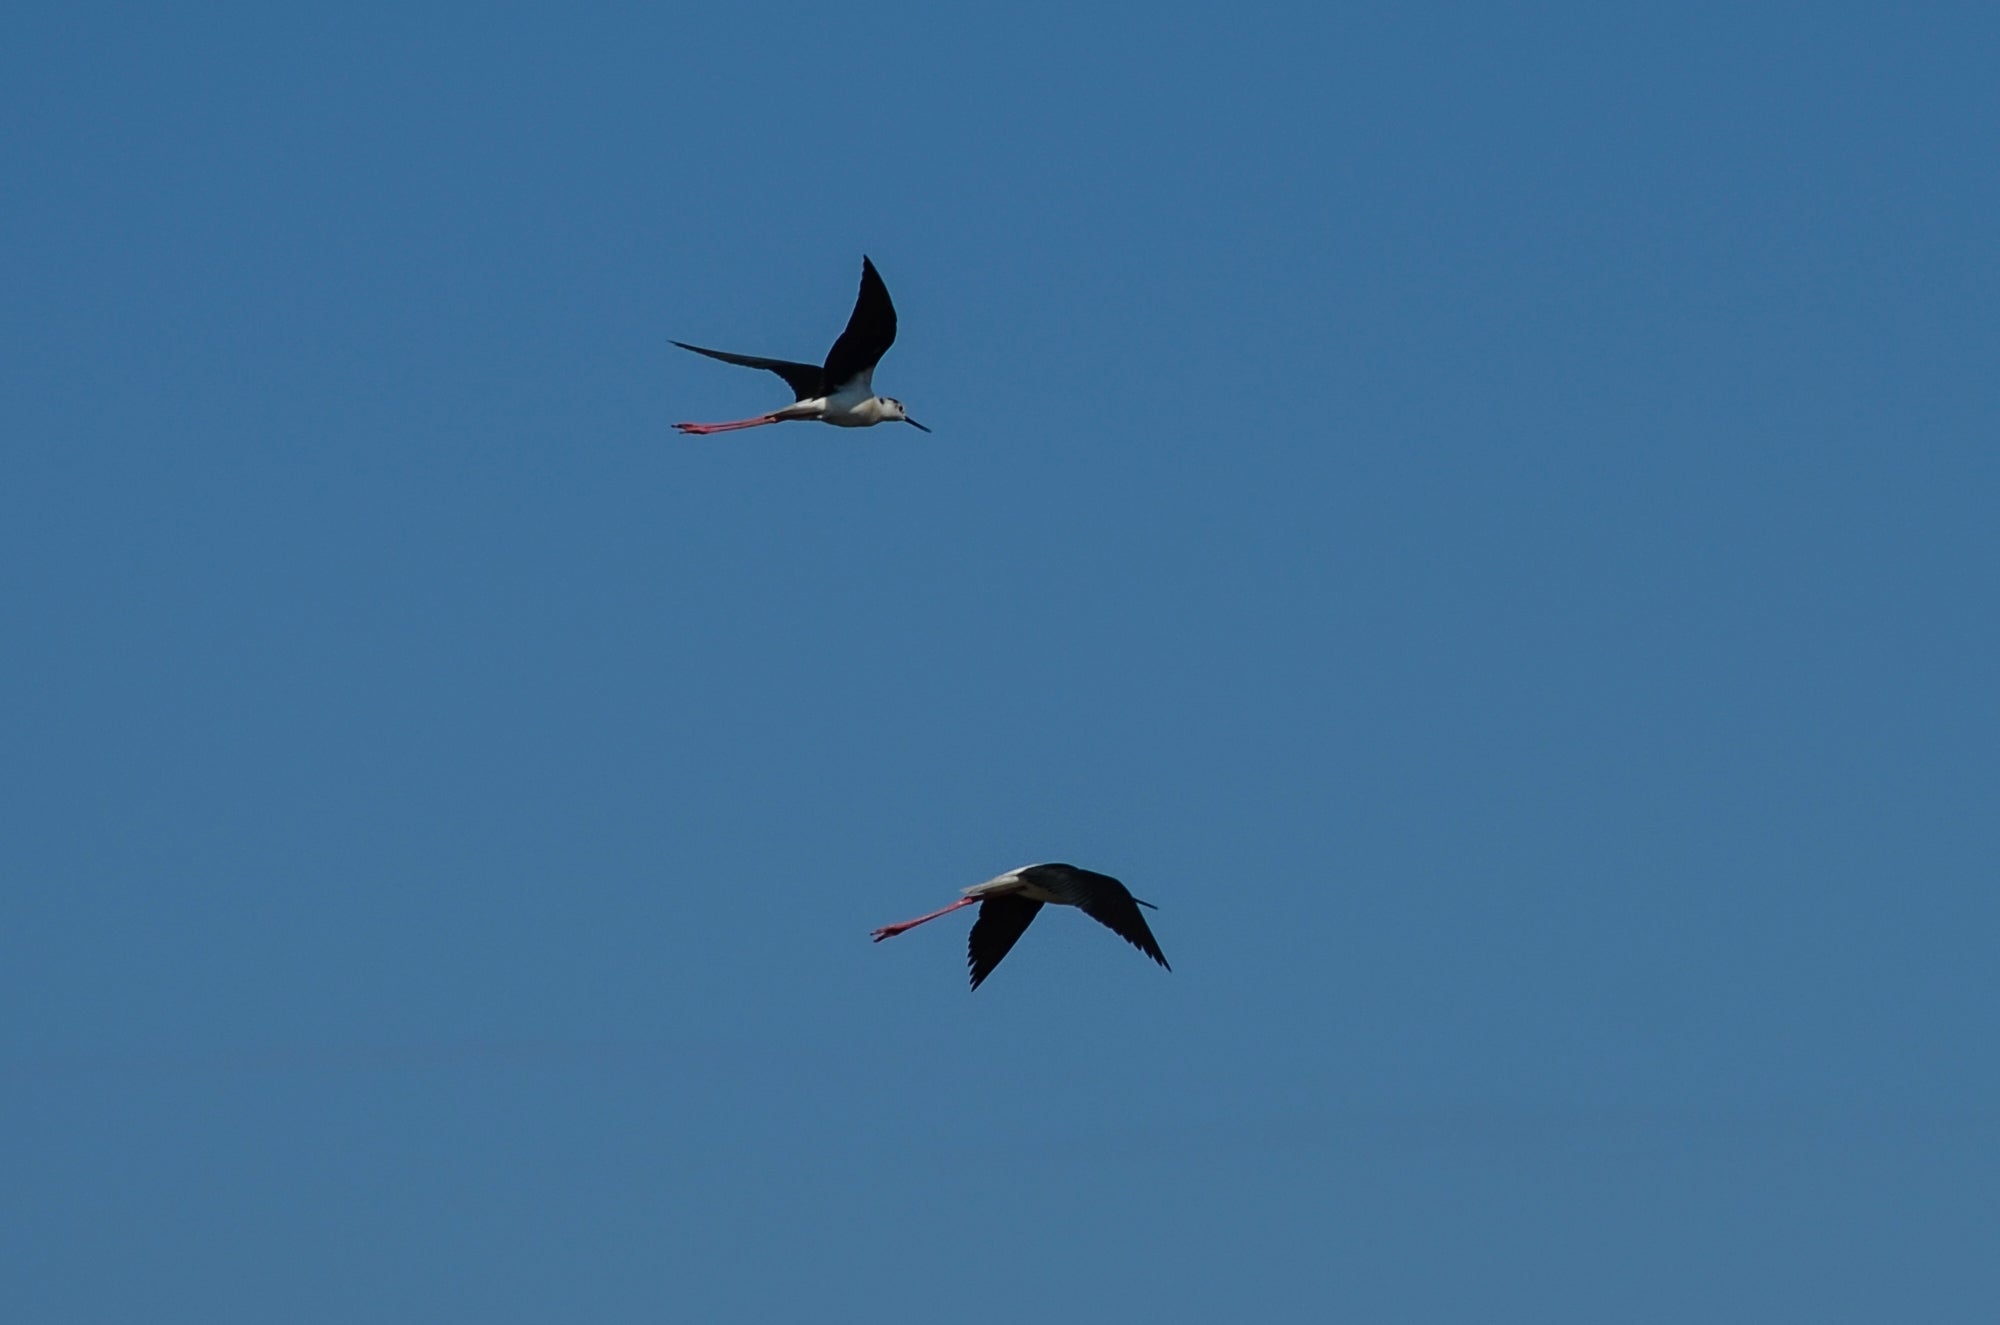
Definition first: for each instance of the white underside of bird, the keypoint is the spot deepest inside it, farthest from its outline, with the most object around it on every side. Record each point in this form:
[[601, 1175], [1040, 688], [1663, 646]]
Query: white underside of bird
[[853, 406], [1012, 883]]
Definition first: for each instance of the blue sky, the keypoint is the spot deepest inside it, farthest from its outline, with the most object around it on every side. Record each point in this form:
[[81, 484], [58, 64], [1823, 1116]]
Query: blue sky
[[1488, 519]]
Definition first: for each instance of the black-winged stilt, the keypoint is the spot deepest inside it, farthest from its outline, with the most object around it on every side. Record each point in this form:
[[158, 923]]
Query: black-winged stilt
[[841, 391], [1007, 905]]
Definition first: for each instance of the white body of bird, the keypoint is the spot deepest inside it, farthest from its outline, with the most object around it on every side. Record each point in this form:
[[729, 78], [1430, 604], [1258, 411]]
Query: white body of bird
[[1012, 883], [854, 406]]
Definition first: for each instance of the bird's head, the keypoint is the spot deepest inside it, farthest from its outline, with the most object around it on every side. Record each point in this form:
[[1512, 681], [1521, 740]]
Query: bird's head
[[893, 410]]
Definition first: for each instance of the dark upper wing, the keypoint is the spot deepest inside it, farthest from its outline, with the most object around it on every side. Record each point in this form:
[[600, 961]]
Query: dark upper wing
[[802, 378], [871, 330], [1002, 920], [1106, 901]]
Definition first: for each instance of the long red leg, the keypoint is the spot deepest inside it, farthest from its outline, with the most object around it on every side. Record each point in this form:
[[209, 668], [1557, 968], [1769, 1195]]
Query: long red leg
[[703, 429], [890, 931]]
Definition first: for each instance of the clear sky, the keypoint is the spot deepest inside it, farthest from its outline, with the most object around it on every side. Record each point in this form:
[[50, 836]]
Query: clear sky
[[1487, 515]]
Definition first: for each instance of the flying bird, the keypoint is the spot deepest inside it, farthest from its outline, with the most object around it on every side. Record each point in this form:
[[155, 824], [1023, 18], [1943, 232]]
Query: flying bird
[[842, 390], [1007, 905]]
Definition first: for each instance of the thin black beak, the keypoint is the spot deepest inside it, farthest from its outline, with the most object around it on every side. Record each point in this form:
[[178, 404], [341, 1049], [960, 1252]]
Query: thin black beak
[[1148, 905], [913, 423]]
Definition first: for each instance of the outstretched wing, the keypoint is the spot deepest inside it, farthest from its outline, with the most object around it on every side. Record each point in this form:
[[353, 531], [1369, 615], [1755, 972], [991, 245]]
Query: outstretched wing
[[802, 378], [1103, 899], [1002, 920], [871, 330]]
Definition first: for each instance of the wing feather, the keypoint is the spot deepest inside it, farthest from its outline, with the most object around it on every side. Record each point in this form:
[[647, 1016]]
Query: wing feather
[[1002, 920], [871, 330], [802, 378], [1102, 898]]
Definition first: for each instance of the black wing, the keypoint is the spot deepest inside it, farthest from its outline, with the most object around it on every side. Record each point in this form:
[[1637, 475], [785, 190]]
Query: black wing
[[802, 378], [871, 330], [1002, 920], [1104, 900]]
